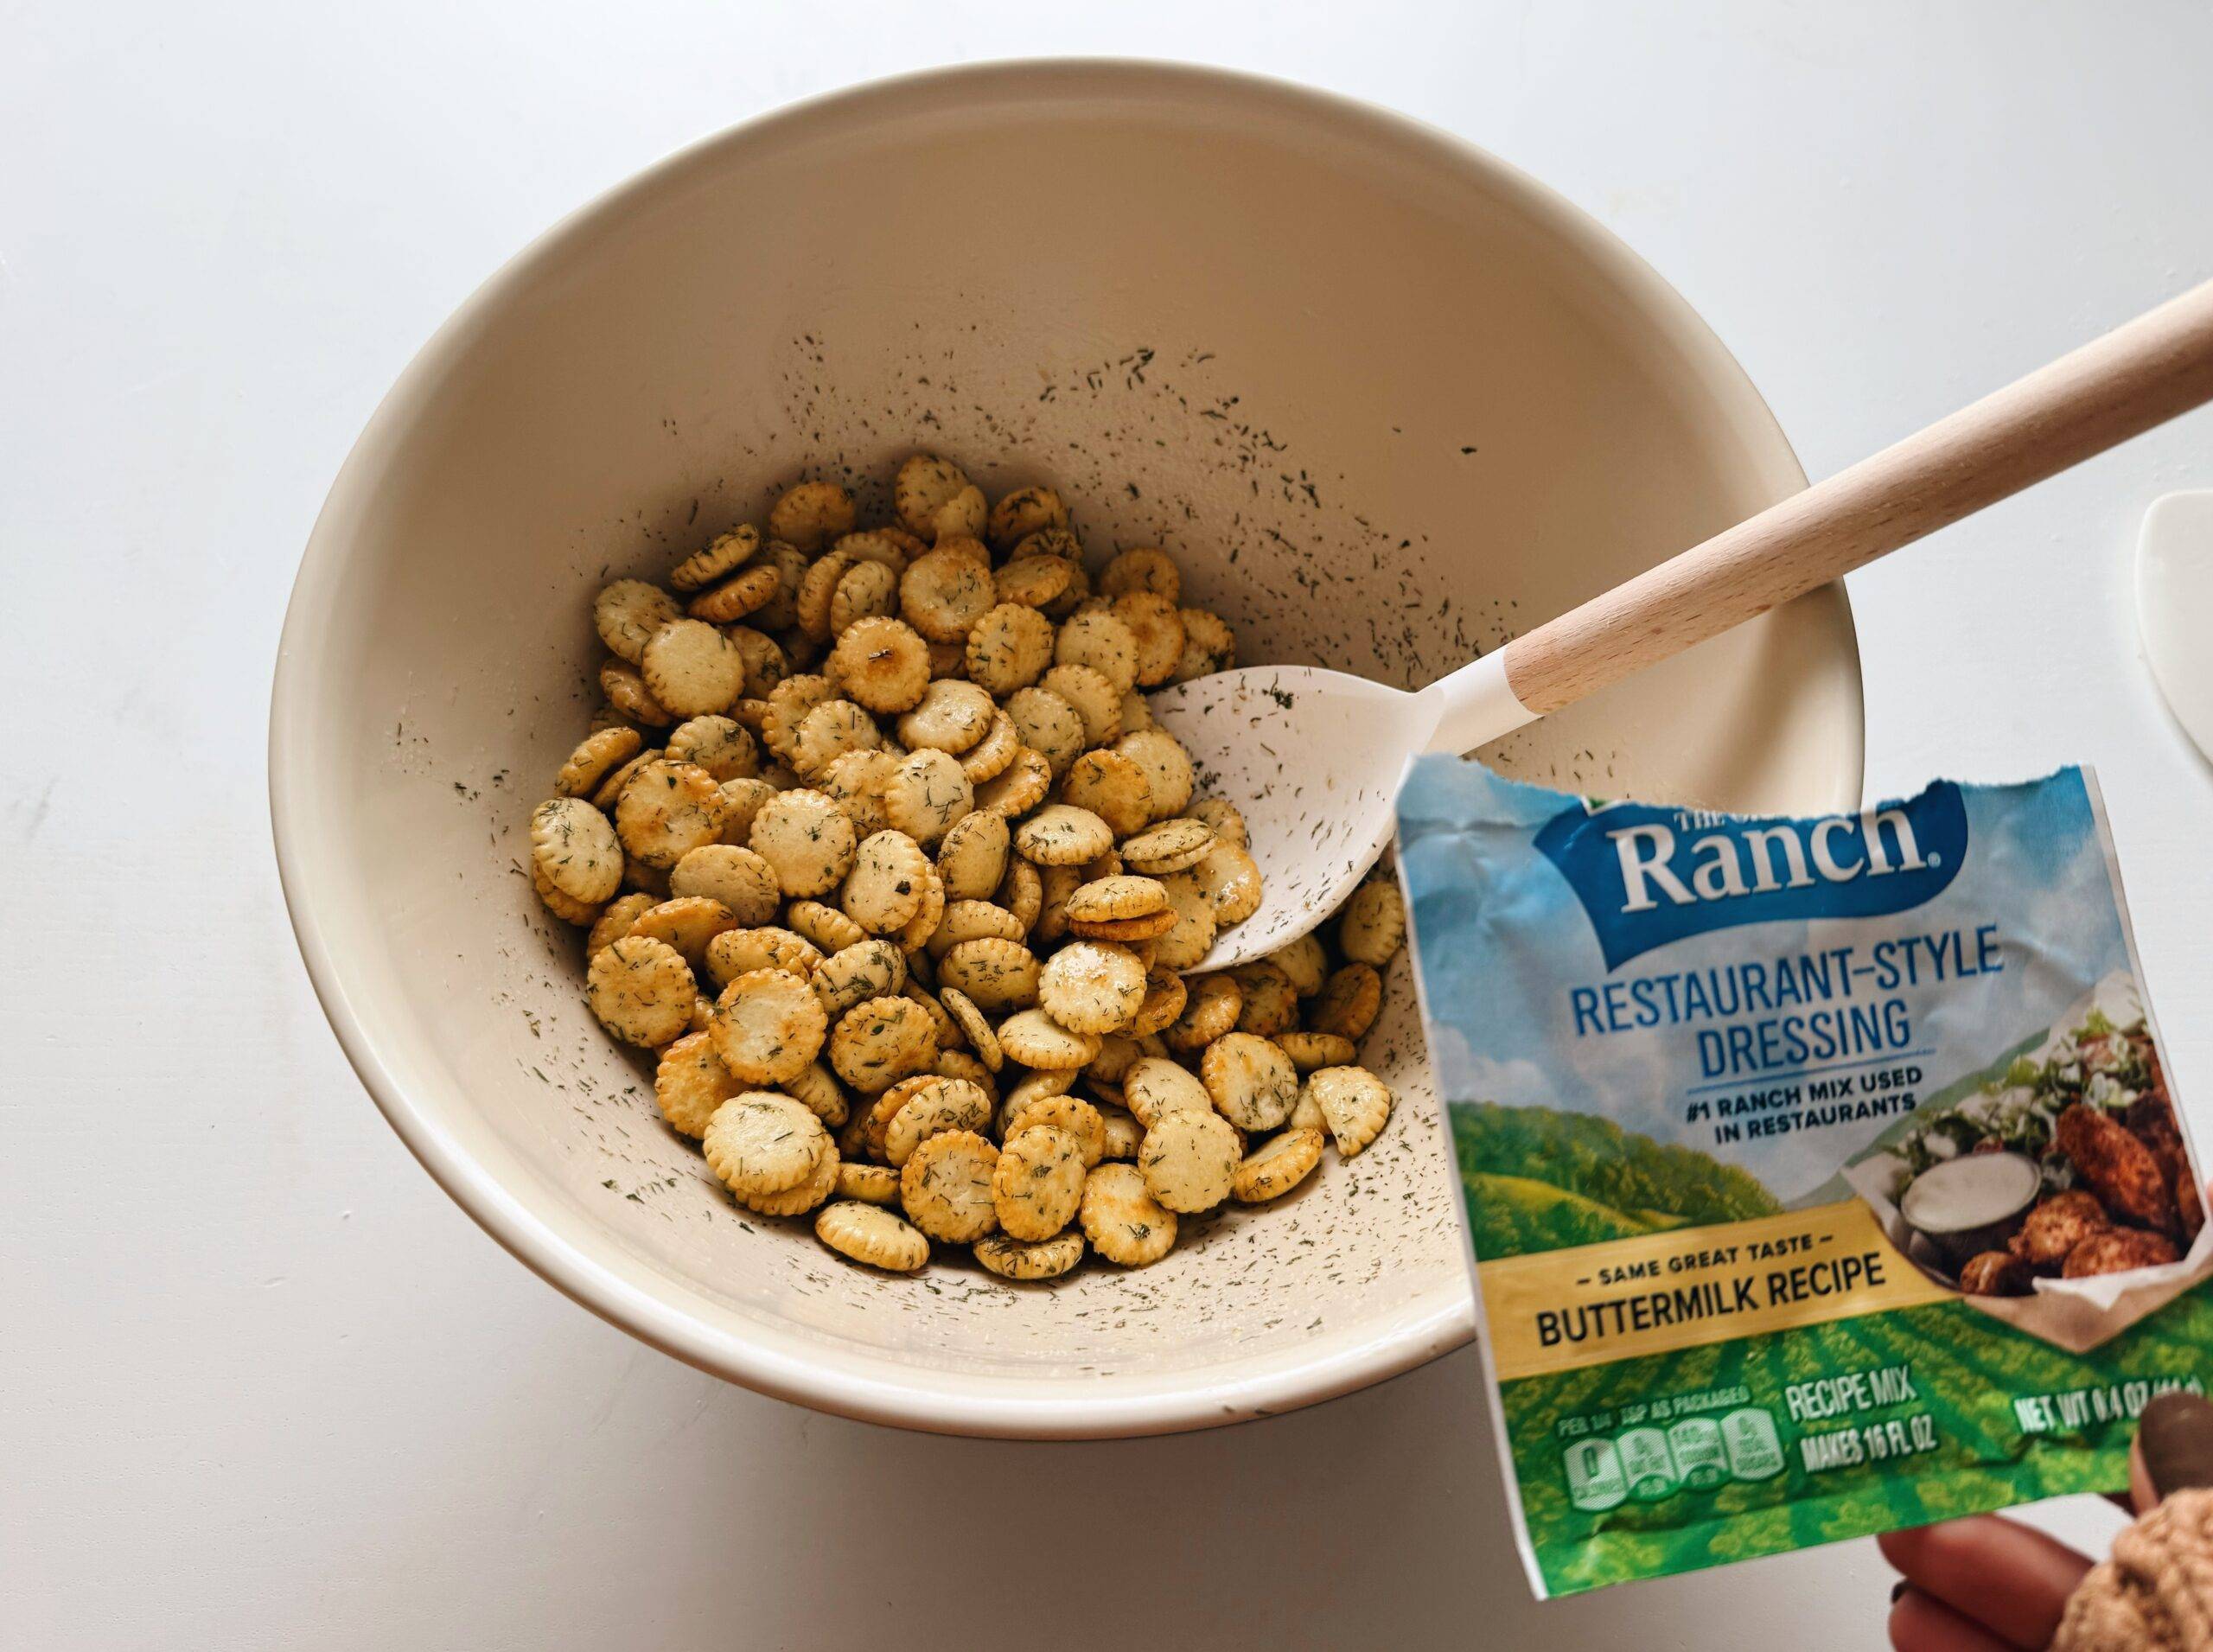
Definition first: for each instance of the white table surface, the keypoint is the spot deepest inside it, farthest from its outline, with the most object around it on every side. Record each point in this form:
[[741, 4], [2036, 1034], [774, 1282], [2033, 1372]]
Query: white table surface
[[261, 1385]]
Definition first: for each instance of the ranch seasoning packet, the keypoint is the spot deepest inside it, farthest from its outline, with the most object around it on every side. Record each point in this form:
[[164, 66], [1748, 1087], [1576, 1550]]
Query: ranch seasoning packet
[[1823, 1175]]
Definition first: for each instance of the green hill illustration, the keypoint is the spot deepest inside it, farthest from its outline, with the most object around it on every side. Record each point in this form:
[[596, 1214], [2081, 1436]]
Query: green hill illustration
[[1536, 1179]]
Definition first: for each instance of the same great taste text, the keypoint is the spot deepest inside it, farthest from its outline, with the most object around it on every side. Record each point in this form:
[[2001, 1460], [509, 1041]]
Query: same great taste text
[[1797, 1011]]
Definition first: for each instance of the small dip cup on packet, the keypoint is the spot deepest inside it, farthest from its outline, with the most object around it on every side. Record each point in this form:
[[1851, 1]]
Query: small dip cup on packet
[[1823, 1175]]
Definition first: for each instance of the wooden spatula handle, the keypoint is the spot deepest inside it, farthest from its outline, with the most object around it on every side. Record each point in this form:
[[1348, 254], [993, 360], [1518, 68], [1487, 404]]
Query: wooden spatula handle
[[2138, 375]]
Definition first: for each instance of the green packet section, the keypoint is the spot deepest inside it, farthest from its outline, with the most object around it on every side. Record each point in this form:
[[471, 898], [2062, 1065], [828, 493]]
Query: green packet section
[[1675, 1462]]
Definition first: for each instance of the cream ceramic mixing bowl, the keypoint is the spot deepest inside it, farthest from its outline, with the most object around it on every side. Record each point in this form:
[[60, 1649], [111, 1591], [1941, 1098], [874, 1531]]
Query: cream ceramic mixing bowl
[[1386, 400]]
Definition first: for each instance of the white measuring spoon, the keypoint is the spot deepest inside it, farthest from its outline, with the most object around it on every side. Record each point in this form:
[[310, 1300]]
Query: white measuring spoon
[[1313, 758]]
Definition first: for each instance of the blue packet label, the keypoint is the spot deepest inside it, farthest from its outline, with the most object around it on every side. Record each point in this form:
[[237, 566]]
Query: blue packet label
[[1821, 1175]]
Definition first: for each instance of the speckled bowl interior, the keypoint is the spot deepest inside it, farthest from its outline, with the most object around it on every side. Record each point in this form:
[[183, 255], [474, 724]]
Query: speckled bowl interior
[[1386, 401]]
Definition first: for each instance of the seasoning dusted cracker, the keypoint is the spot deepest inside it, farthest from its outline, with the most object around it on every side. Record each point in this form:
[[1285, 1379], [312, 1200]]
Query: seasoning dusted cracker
[[884, 889], [1093, 698], [809, 515], [973, 1028], [824, 927], [1172, 846], [1120, 896], [1211, 1011], [1120, 1132], [1209, 645], [766, 664], [795, 1202], [949, 1034], [575, 850], [1130, 932], [925, 794], [920, 929], [925, 485], [870, 1184], [944, 593], [946, 1186], [1112, 788], [1270, 1001], [566, 908], [1070, 1114], [691, 1083], [1231, 880], [1165, 995], [1223, 820], [994, 753], [807, 840], [641, 990], [1350, 1002], [1309, 1050], [597, 756], [817, 1091], [1009, 647], [1020, 789], [1167, 767], [687, 922], [881, 1041], [1034, 582], [852, 975], [877, 1116], [666, 810], [1122, 1220], [1102, 641], [1062, 835], [1022, 892], [1372, 924], [1276, 1166], [882, 663], [724, 554], [1022, 513], [1303, 963], [627, 692], [692, 668], [1001, 975], [867, 591], [627, 612], [961, 516], [1353, 1102], [971, 856], [614, 920], [1192, 935], [718, 744], [1189, 1160], [1155, 1086], [1158, 630], [768, 1026], [749, 592], [739, 879], [942, 1104], [741, 801], [1035, 1039], [1047, 725], [1251, 1082], [760, 1143], [858, 1230], [856, 779], [788, 703], [1037, 1182], [1015, 1259], [1092, 986]]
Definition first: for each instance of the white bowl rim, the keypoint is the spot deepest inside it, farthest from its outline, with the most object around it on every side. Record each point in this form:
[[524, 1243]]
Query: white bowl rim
[[639, 1299]]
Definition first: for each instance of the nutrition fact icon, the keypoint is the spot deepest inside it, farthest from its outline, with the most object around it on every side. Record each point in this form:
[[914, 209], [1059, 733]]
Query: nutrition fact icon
[[1648, 1464]]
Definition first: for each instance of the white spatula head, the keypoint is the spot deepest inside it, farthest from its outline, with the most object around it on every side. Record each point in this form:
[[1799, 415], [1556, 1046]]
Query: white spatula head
[[2174, 606], [1312, 759]]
